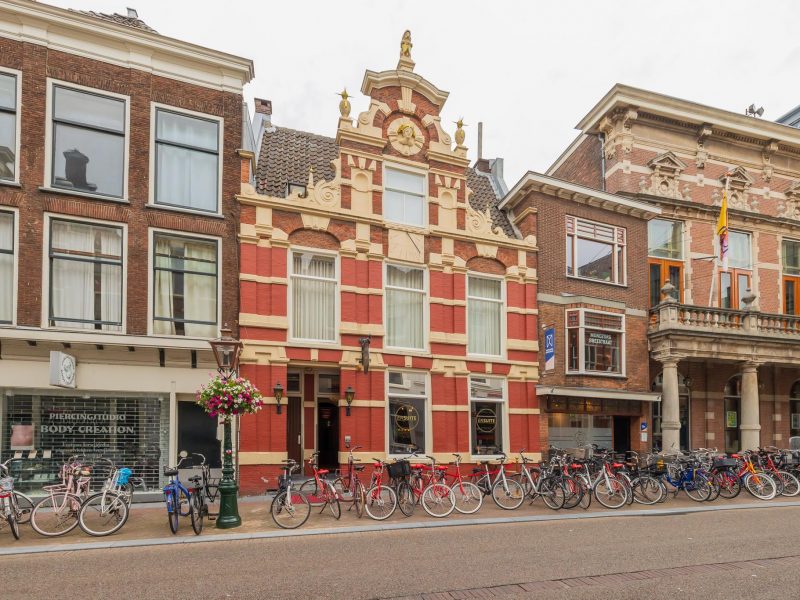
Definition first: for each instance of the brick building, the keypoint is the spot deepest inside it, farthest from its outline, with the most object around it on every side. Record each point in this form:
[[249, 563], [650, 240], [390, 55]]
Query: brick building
[[118, 171], [592, 301], [723, 343], [383, 246]]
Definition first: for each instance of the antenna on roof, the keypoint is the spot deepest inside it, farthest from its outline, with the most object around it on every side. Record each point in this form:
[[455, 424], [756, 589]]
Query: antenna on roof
[[752, 111], [480, 140], [132, 14]]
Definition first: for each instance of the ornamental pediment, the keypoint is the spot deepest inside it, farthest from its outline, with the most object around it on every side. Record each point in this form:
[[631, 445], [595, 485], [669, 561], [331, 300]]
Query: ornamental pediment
[[667, 163], [665, 179], [738, 177]]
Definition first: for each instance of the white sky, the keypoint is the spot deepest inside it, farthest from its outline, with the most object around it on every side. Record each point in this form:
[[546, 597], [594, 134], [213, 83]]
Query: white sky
[[528, 69]]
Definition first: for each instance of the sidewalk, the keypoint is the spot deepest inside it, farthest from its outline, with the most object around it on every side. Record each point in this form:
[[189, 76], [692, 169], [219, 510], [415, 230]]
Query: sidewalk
[[147, 524]]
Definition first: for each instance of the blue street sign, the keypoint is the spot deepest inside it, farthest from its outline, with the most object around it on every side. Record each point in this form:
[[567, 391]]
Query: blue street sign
[[549, 349]]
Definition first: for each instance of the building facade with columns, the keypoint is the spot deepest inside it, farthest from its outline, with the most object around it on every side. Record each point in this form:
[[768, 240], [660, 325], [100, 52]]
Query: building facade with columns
[[383, 289], [723, 343]]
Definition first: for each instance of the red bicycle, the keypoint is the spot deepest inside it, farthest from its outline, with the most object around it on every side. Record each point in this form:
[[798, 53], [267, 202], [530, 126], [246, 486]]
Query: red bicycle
[[381, 500], [467, 496], [323, 493], [349, 485]]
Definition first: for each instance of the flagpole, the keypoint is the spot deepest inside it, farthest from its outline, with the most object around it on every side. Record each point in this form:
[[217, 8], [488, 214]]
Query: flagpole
[[720, 252]]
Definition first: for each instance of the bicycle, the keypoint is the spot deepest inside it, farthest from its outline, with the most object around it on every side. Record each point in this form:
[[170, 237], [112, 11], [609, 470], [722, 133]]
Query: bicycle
[[7, 512], [540, 483], [350, 484], [467, 496], [686, 474], [57, 513], [107, 511], [429, 490], [289, 508], [176, 496], [20, 503], [606, 487], [381, 499], [325, 495], [789, 484], [199, 493], [756, 482], [506, 492]]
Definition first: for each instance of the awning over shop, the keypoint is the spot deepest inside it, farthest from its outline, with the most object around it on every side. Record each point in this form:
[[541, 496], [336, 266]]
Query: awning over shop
[[597, 393]]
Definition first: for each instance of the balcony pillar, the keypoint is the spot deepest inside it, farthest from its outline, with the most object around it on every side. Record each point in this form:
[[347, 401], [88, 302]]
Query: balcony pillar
[[750, 427], [670, 407]]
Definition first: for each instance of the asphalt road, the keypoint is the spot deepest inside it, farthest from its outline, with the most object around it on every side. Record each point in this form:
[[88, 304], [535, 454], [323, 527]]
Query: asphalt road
[[647, 555]]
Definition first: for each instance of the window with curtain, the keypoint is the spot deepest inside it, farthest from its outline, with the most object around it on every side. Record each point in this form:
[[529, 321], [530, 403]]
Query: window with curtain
[[486, 403], [405, 307], [594, 342], [484, 316], [187, 161], [739, 253], [6, 267], [404, 197], [313, 297], [185, 285], [8, 126], [595, 251], [85, 276], [88, 142], [407, 412]]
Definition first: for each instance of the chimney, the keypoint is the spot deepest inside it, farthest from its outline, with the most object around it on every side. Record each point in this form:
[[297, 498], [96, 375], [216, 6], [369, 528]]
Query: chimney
[[480, 140], [481, 164], [263, 106], [132, 13]]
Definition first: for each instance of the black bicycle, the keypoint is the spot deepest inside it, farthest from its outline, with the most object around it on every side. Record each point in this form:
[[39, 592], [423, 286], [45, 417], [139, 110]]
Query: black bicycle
[[203, 488]]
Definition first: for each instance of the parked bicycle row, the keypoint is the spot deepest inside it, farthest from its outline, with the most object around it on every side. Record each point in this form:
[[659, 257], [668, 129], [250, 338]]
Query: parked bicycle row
[[565, 481]]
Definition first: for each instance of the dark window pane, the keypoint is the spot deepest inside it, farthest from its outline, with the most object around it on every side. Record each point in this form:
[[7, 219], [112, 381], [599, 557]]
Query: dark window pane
[[602, 351], [487, 431], [573, 349], [742, 285], [570, 257], [89, 109], [89, 161], [675, 280], [725, 291], [655, 284], [406, 425], [789, 291], [595, 259]]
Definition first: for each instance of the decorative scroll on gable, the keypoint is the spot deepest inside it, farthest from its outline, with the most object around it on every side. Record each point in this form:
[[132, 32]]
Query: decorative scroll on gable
[[665, 179], [790, 208], [321, 193], [480, 224]]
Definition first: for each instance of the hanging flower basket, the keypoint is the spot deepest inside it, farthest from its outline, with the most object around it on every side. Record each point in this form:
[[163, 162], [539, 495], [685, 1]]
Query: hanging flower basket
[[228, 396]]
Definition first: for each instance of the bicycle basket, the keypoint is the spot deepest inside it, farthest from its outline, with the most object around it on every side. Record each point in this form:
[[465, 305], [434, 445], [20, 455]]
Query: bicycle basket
[[401, 468], [124, 475], [6, 484], [724, 463]]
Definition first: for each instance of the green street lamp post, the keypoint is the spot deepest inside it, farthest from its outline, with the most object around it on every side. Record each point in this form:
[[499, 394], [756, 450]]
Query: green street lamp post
[[226, 352]]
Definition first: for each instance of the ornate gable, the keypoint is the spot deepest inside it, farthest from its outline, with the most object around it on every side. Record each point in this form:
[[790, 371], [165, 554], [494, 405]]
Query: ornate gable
[[739, 182], [665, 179]]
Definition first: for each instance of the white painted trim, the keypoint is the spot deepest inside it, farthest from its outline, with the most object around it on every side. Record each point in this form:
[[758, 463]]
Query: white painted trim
[[425, 308], [106, 338], [151, 198], [428, 411], [17, 123], [48, 143], [582, 345], [584, 392], [504, 421], [503, 317], [336, 295], [620, 281], [402, 167], [48, 217], [151, 232], [15, 271]]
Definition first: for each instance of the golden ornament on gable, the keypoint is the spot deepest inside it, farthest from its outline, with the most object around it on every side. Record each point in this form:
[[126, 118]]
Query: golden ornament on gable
[[405, 136], [344, 104], [460, 135]]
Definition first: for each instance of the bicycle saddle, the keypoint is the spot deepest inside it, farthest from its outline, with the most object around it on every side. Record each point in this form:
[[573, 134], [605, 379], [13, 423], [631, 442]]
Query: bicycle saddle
[[195, 478], [170, 472], [323, 471], [360, 467]]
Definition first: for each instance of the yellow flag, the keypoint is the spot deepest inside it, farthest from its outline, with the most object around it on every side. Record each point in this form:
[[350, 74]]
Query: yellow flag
[[722, 230]]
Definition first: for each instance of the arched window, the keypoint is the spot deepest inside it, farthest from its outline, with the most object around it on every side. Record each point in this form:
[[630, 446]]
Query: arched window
[[732, 404]]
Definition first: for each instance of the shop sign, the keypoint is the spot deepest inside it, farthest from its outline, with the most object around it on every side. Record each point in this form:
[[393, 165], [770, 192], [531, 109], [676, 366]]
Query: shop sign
[[62, 369], [731, 419], [549, 349], [406, 418], [486, 420], [86, 424], [598, 338]]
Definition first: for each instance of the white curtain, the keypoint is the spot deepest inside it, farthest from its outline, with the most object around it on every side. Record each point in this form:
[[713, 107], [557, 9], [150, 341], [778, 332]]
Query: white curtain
[[162, 290], [200, 291], [73, 281], [404, 307], [313, 297], [111, 278], [484, 314], [6, 267]]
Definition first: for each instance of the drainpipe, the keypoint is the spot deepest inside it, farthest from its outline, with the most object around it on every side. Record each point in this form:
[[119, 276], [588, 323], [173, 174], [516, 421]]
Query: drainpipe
[[602, 138]]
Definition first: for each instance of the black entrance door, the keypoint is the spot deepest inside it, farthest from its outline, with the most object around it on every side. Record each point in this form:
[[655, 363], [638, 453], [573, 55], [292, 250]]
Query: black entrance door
[[294, 412], [197, 432], [328, 434], [622, 434]]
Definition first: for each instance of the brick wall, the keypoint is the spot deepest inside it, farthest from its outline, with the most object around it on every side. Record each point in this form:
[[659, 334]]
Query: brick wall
[[584, 165]]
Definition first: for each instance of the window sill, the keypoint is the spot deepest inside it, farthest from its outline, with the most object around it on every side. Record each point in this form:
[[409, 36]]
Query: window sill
[[480, 457], [409, 351], [10, 183], [303, 343], [597, 374], [66, 192], [201, 213], [600, 281], [486, 357], [82, 330]]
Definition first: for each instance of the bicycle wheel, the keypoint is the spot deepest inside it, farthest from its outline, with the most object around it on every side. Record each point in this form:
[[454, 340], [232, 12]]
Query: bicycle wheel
[[173, 510], [791, 485], [342, 487], [381, 502], [359, 499], [467, 497], [22, 506], [103, 514], [290, 513], [196, 498], [647, 490], [729, 484], [309, 487], [508, 494], [573, 490], [13, 525], [612, 493], [438, 501], [405, 498], [760, 485], [698, 489], [333, 502], [56, 514], [553, 493]]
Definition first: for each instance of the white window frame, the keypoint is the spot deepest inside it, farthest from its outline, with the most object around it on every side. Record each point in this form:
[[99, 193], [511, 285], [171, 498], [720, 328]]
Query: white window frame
[[503, 313], [151, 201], [48, 145], [504, 431], [582, 344], [15, 257], [18, 125], [428, 410], [337, 293], [682, 225], [48, 217], [618, 279], [749, 235], [151, 288], [425, 192], [425, 305]]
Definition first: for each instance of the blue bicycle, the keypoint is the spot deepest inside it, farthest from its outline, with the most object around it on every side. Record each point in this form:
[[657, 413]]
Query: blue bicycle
[[688, 475], [177, 496]]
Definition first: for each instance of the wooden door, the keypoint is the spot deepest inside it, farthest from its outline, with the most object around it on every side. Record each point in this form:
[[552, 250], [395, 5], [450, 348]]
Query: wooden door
[[294, 420]]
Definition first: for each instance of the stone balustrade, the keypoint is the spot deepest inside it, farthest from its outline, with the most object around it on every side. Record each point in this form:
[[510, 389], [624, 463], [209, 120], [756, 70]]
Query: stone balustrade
[[671, 316]]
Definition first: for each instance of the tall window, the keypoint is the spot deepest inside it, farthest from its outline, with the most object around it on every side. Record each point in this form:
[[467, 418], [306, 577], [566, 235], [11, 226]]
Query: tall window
[[85, 276], [185, 280], [313, 297], [405, 307], [595, 251], [408, 396], [404, 197], [791, 277], [8, 126], [6, 267], [88, 142], [595, 342], [486, 404], [187, 161], [484, 316], [665, 249], [734, 283]]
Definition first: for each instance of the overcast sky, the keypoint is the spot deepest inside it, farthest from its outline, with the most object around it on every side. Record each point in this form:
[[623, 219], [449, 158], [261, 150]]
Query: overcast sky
[[528, 69]]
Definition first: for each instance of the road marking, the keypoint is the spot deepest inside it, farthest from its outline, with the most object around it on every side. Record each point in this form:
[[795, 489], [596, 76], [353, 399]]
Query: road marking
[[428, 524]]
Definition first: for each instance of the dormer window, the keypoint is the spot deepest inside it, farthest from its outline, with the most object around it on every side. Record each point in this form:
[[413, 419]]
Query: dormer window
[[295, 188]]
